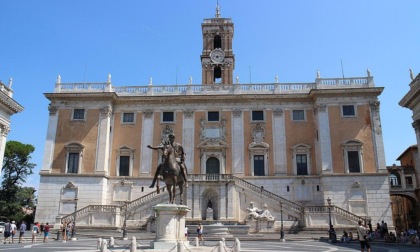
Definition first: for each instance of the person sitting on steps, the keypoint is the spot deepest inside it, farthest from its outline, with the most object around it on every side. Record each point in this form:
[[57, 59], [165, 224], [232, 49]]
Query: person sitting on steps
[[179, 155]]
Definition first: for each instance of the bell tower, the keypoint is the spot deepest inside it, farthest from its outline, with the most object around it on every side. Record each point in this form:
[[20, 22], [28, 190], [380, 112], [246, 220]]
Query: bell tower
[[217, 58]]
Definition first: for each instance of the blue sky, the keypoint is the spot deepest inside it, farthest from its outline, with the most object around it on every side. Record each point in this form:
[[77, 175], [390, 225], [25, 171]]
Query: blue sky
[[134, 40]]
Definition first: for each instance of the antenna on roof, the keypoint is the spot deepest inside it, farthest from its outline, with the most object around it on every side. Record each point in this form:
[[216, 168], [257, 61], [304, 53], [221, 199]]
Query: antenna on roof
[[217, 10], [342, 69], [250, 79], [176, 76]]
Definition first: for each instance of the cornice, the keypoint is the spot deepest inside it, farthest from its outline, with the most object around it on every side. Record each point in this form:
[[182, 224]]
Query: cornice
[[108, 96], [351, 92], [412, 97], [10, 104]]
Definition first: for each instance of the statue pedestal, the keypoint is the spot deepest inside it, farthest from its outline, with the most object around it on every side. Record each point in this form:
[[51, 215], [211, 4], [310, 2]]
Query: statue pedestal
[[261, 226], [170, 225]]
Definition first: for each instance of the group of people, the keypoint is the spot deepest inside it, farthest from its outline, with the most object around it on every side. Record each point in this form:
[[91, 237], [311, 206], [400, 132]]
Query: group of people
[[11, 229], [66, 229], [199, 232]]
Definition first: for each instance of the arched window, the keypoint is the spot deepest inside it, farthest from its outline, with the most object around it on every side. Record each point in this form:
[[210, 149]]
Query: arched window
[[213, 166], [394, 179], [217, 43], [217, 75]]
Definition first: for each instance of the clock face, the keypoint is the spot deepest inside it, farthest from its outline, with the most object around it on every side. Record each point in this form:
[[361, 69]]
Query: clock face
[[217, 56]]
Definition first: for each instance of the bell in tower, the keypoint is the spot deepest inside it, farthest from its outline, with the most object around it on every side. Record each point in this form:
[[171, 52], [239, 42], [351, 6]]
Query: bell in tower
[[217, 58]]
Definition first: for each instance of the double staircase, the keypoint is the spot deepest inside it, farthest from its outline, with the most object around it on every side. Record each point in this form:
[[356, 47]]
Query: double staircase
[[140, 210]]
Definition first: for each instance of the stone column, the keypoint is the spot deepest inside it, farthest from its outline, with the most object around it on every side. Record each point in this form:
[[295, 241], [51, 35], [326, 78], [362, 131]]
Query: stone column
[[237, 142], [324, 138], [279, 140], [50, 140], [102, 157], [3, 139], [147, 138], [377, 138]]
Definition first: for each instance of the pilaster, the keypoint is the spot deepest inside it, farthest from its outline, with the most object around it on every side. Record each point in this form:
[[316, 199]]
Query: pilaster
[[102, 157], [188, 138], [146, 138], [50, 139], [377, 138], [237, 142], [324, 138], [279, 140]]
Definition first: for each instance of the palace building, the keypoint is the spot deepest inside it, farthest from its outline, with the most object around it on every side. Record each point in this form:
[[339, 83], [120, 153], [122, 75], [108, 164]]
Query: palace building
[[286, 147]]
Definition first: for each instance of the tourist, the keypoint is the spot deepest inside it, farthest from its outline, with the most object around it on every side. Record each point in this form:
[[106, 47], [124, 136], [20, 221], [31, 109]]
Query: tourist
[[22, 229], [13, 230], [46, 232], [362, 234], [7, 230], [35, 231], [186, 231], [200, 233]]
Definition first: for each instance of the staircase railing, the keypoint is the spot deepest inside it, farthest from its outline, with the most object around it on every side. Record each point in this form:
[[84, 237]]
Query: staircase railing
[[338, 211], [293, 206], [113, 208]]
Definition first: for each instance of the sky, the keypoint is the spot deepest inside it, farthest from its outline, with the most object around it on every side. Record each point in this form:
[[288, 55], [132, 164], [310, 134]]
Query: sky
[[136, 40]]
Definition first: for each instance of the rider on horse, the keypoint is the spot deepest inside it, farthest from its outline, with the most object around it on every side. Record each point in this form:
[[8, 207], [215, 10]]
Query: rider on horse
[[179, 155]]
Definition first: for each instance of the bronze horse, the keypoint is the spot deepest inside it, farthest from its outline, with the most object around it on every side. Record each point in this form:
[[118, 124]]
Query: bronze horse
[[171, 174]]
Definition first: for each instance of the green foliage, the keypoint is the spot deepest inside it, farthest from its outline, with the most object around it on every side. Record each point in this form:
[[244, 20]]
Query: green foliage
[[16, 168]]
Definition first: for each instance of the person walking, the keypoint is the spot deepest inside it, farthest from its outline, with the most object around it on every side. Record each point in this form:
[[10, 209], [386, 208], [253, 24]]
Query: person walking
[[46, 232], [363, 238], [13, 230], [200, 233], [22, 229], [34, 232], [7, 230]]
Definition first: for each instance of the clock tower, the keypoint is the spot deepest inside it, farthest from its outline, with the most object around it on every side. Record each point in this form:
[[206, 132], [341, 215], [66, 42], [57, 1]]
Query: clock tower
[[217, 58]]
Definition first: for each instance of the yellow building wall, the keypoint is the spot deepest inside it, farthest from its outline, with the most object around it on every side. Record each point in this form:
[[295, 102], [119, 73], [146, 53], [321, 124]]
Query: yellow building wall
[[344, 129], [126, 135], [83, 132], [299, 132]]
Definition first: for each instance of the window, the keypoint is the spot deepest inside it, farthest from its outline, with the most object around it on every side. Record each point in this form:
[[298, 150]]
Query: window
[[352, 151], [348, 111], [128, 118], [73, 163], [353, 161], [257, 115], [124, 161], [74, 157], [259, 165], [78, 114], [301, 164], [299, 115], [213, 116], [124, 169], [301, 156], [217, 42], [168, 117], [217, 72]]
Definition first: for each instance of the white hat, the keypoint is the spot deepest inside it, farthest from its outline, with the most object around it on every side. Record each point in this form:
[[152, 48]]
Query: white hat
[[13, 222]]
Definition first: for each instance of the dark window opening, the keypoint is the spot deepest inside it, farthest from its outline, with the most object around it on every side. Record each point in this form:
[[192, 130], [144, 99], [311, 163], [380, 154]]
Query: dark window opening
[[217, 75], [79, 114], [128, 117], [124, 166], [257, 115], [348, 110], [168, 116], [354, 163], [213, 116], [288, 188], [73, 163], [298, 115], [317, 188], [302, 164], [259, 165], [217, 42]]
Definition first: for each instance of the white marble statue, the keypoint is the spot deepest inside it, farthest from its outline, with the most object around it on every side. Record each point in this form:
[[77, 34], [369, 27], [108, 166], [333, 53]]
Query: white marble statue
[[257, 214]]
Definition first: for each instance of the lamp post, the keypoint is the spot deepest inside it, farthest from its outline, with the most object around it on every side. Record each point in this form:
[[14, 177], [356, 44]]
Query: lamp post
[[330, 231], [125, 221], [281, 221], [73, 230]]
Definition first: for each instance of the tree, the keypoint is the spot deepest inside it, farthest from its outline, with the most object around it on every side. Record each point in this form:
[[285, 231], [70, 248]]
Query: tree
[[16, 168]]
